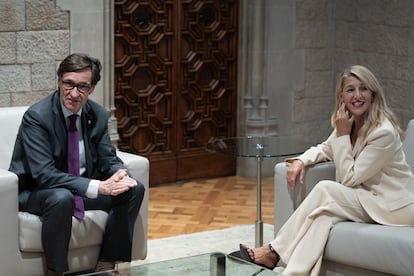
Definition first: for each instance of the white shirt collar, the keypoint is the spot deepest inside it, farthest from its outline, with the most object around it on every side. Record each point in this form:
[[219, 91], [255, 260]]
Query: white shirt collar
[[67, 112]]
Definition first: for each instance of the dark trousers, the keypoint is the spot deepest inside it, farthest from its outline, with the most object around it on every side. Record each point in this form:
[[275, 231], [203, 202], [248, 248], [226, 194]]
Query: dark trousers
[[55, 207]]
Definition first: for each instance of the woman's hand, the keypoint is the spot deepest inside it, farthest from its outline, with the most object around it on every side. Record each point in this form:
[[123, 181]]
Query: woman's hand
[[295, 169], [343, 121]]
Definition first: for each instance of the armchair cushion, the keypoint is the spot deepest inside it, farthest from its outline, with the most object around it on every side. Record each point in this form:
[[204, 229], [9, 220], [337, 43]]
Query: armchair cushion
[[85, 233], [377, 247]]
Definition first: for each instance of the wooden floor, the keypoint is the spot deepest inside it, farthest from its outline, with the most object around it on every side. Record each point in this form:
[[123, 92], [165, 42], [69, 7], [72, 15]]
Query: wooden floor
[[207, 204]]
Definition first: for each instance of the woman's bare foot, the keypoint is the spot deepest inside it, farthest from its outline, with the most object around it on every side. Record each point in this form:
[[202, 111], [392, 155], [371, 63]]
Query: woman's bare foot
[[263, 256]]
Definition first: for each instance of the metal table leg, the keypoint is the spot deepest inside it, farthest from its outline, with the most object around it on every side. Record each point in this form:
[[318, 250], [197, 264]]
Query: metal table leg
[[259, 222]]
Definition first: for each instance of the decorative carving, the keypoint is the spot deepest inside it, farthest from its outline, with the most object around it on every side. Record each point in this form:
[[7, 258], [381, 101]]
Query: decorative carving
[[175, 78], [142, 18], [207, 15]]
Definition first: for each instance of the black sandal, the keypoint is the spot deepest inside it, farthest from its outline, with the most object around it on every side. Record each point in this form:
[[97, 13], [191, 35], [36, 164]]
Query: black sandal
[[244, 254]]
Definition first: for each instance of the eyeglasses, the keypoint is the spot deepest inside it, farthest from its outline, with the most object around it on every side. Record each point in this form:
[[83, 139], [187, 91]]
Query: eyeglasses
[[82, 88]]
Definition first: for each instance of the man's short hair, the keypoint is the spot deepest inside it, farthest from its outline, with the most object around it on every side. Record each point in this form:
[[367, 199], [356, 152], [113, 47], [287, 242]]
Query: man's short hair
[[78, 62]]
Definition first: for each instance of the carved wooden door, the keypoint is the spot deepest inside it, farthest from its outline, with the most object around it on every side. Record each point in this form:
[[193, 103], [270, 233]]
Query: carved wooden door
[[175, 83]]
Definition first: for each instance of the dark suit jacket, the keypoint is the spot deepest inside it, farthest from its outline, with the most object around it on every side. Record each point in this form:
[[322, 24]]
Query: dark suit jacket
[[40, 153]]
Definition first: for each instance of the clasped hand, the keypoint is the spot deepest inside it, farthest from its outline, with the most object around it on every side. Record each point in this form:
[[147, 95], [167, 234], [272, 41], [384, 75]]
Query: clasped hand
[[117, 184]]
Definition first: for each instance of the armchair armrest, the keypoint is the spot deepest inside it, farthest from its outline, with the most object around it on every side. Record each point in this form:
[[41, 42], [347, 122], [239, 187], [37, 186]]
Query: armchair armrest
[[138, 166], [9, 220], [287, 200]]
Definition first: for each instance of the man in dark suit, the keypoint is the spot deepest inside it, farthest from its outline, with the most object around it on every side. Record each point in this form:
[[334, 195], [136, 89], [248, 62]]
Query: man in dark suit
[[47, 189]]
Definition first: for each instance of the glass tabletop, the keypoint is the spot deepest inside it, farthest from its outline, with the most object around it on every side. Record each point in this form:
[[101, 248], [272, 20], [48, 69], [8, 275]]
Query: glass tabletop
[[212, 264], [259, 146]]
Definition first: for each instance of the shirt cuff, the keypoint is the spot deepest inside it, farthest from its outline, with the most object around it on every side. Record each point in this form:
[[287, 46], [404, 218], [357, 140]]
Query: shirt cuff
[[92, 191]]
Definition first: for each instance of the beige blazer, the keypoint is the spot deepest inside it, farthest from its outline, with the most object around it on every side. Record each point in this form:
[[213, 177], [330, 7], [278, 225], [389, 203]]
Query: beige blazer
[[376, 168]]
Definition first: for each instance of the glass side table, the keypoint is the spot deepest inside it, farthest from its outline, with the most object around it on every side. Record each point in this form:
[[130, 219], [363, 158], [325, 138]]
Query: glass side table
[[259, 148]]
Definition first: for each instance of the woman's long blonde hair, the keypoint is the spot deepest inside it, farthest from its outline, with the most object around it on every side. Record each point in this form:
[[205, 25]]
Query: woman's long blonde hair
[[378, 109]]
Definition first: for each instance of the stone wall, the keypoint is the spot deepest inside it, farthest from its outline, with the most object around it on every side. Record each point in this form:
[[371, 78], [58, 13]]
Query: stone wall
[[378, 34], [315, 34], [34, 37]]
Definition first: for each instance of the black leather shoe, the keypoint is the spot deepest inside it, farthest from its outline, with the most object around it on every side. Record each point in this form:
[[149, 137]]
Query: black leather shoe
[[104, 266], [54, 273]]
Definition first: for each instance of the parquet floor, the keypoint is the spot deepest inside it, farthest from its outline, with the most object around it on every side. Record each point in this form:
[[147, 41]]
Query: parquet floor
[[207, 204]]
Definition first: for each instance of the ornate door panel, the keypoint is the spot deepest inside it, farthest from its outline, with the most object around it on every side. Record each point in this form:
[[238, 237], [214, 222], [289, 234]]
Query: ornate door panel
[[175, 83]]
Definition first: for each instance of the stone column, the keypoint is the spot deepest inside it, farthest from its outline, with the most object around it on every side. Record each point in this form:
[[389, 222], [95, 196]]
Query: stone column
[[271, 71], [253, 99], [254, 119]]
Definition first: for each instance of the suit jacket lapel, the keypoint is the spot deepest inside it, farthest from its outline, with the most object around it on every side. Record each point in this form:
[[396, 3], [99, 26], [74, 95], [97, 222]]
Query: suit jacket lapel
[[59, 125]]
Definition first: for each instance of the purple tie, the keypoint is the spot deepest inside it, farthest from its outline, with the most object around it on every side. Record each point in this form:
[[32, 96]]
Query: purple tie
[[73, 162]]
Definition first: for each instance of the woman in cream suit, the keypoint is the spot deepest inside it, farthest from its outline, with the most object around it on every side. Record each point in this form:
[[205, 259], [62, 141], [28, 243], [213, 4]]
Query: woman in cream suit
[[373, 184]]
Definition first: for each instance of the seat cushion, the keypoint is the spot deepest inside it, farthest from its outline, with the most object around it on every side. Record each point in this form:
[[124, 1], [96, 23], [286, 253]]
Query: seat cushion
[[85, 233], [388, 249]]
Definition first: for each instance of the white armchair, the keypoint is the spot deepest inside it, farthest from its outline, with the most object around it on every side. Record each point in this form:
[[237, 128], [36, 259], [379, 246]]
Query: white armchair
[[21, 250]]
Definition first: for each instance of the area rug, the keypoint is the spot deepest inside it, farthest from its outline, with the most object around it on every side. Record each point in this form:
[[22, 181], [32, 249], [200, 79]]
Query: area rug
[[225, 240]]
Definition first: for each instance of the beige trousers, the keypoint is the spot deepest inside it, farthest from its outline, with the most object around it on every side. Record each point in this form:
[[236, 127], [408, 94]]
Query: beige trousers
[[301, 241]]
